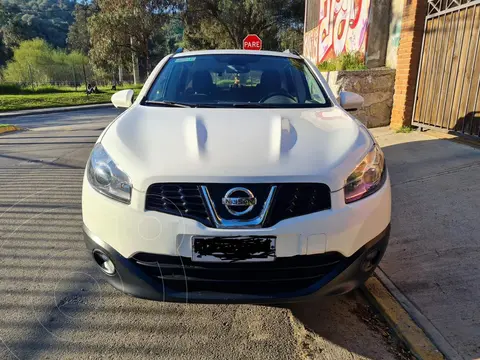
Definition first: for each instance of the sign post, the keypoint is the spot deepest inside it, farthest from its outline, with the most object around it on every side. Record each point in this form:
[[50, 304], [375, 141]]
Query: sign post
[[252, 42]]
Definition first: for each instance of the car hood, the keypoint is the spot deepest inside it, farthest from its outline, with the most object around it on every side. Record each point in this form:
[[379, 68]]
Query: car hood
[[158, 144]]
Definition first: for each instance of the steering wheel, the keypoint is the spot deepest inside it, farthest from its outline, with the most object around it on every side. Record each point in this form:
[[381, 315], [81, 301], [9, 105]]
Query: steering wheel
[[281, 94]]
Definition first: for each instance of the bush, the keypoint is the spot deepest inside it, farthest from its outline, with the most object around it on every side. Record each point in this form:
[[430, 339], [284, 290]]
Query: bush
[[346, 61], [10, 89], [327, 65], [35, 61]]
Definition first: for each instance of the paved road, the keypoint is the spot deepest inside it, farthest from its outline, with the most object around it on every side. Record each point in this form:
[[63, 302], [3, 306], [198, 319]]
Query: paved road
[[54, 305], [76, 117], [434, 250]]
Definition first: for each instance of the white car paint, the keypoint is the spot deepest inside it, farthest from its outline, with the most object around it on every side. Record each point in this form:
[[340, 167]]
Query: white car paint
[[156, 144], [247, 145]]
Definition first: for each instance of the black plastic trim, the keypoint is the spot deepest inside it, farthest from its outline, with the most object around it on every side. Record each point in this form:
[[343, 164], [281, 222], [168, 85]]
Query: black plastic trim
[[290, 200], [344, 277]]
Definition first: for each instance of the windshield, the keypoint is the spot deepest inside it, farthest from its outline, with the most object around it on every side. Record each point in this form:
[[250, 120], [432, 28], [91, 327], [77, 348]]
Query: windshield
[[237, 80]]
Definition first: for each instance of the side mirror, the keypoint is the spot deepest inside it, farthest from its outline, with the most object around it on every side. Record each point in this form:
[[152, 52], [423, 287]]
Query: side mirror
[[123, 98], [350, 101]]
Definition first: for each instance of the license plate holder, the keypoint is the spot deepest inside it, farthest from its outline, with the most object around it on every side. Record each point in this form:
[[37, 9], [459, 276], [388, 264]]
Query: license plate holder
[[233, 249]]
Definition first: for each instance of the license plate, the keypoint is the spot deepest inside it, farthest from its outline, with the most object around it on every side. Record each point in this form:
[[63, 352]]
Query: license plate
[[233, 249]]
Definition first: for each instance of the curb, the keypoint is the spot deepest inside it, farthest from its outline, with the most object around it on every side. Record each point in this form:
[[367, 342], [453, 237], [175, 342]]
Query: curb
[[8, 129], [400, 321], [53, 110]]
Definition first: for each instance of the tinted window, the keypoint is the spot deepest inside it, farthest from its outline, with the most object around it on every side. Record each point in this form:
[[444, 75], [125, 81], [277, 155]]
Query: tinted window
[[230, 80]]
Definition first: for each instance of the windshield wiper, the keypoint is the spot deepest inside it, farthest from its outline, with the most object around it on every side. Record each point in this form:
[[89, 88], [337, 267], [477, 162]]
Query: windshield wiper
[[177, 104], [253, 105], [166, 103]]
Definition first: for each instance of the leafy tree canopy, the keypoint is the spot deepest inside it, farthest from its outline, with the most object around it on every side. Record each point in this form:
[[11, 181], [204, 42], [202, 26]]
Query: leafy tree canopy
[[29, 19], [123, 27], [224, 24], [78, 36]]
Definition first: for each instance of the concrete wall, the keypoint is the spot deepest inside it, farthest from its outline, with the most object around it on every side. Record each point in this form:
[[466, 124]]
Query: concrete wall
[[394, 32], [375, 85], [378, 33]]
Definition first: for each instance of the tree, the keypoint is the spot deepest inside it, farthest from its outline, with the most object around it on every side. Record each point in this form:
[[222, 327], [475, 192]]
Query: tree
[[173, 33], [124, 28], [29, 19], [78, 36], [4, 51], [224, 24]]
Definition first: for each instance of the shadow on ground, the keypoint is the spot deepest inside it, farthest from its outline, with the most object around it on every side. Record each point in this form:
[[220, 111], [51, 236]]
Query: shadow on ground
[[54, 305], [434, 250], [343, 326]]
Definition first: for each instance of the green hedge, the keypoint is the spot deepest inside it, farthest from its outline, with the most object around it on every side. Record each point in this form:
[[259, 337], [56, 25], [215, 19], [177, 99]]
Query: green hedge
[[346, 61]]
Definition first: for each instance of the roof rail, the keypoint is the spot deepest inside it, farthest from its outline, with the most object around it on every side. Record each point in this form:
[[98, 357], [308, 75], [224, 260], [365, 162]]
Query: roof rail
[[178, 51], [294, 52]]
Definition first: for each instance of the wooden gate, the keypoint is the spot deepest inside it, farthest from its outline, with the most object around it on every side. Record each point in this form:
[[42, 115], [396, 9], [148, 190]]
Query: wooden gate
[[448, 82]]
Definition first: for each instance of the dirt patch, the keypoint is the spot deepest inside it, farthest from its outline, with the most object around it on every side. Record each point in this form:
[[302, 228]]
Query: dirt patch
[[8, 128], [342, 328], [366, 313]]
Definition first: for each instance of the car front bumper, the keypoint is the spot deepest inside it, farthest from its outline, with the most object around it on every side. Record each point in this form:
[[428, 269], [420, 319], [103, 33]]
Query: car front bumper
[[130, 229], [341, 276], [344, 233]]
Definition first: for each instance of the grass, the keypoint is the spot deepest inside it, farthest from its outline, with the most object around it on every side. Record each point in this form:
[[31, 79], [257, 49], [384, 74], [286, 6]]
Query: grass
[[13, 89], [405, 129], [45, 97], [346, 61]]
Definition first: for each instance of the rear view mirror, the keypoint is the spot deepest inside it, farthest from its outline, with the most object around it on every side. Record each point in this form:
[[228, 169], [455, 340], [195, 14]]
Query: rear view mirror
[[350, 101], [123, 98], [237, 69]]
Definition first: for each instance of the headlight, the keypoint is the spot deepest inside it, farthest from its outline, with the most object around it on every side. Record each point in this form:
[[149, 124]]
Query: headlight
[[105, 177], [367, 177]]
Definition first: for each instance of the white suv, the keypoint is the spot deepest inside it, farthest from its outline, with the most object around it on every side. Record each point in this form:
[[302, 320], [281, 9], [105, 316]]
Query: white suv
[[236, 176]]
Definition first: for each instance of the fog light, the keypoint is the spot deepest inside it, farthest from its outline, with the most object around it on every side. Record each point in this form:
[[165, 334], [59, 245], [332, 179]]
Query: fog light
[[370, 260], [104, 262]]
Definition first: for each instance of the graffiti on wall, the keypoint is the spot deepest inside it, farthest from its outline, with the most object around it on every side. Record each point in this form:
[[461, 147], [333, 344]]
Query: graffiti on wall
[[394, 42], [342, 27]]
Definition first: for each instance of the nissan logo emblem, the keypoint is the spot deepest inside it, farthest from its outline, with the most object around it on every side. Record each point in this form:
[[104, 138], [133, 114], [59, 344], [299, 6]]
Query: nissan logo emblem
[[239, 205]]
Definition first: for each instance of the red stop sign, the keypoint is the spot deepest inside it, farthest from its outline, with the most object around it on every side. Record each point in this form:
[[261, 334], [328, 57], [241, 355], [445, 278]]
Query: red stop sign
[[252, 42]]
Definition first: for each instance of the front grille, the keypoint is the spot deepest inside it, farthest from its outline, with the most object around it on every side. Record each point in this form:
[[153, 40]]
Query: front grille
[[290, 200], [261, 278], [178, 199], [294, 200]]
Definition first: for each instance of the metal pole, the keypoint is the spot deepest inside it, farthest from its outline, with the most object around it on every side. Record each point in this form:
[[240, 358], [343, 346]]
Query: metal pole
[[450, 72], [452, 20], [85, 78], [458, 68], [421, 70], [471, 80], [463, 77], [426, 108], [305, 24], [435, 65]]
